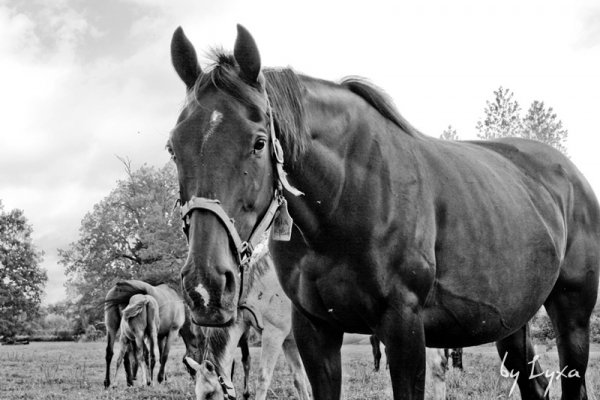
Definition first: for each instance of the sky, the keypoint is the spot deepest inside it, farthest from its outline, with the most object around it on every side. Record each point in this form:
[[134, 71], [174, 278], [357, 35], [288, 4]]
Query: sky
[[83, 81]]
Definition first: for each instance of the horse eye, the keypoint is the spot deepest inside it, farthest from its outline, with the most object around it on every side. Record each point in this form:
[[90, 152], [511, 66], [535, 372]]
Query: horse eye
[[259, 145], [171, 152]]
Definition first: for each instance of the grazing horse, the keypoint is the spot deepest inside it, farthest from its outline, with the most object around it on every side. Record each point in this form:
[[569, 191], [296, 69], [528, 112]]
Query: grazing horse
[[418, 240], [171, 319], [195, 347], [140, 320], [267, 309]]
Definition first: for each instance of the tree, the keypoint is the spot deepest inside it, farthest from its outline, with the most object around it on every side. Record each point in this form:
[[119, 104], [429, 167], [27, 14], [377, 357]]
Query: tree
[[543, 125], [22, 279], [502, 117], [134, 233], [449, 134]]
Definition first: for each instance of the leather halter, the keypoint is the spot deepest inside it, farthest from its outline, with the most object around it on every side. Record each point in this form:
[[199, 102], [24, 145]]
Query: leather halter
[[244, 249]]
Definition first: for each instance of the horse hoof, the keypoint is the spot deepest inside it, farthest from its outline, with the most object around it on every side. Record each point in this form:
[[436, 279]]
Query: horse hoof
[[106, 384], [247, 395]]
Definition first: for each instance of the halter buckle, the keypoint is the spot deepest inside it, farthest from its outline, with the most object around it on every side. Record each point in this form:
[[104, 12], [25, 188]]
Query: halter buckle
[[228, 391], [245, 253]]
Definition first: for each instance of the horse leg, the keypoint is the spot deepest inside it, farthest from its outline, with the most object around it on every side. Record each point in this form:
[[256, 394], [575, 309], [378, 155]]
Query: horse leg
[[401, 330], [246, 363], [162, 343], [110, 342], [272, 341], [290, 349], [518, 355], [139, 355], [154, 350], [570, 306], [320, 346], [457, 355], [376, 351], [131, 366], [123, 355], [165, 348], [437, 365]]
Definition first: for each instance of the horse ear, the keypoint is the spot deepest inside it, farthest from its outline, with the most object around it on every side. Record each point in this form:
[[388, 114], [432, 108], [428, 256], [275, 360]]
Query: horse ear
[[192, 363], [184, 59], [247, 56]]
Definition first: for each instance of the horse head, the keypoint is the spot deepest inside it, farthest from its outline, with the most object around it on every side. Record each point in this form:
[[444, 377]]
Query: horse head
[[209, 385], [223, 151]]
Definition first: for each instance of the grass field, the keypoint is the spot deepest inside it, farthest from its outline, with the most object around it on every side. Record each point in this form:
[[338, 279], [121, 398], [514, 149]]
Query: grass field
[[75, 371]]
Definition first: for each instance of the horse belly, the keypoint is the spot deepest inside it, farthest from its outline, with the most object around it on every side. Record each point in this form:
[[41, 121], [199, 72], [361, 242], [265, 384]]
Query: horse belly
[[483, 303]]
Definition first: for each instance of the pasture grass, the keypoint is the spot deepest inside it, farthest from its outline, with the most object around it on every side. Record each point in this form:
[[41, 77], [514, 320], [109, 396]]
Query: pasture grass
[[74, 371]]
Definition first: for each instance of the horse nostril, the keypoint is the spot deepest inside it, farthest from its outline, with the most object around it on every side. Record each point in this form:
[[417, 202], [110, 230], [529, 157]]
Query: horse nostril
[[229, 282]]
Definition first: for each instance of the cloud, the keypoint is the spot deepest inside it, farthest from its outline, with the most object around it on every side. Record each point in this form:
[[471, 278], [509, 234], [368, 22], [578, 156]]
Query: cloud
[[84, 81], [589, 35], [75, 103]]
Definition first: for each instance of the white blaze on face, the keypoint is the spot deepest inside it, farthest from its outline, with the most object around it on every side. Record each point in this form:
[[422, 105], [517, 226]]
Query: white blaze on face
[[201, 290], [215, 120]]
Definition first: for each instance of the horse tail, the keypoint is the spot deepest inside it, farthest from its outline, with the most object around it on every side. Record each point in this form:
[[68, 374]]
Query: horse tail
[[121, 293], [152, 311], [132, 310]]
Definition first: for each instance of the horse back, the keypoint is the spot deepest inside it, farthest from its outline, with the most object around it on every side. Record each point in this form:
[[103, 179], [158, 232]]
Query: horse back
[[172, 309]]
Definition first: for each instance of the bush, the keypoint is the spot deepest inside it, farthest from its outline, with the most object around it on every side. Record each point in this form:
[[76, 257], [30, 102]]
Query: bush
[[91, 334], [595, 328], [541, 329]]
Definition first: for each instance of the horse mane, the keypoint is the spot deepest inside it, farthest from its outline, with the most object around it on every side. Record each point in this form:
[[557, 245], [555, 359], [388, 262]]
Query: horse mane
[[284, 90], [379, 100], [215, 342]]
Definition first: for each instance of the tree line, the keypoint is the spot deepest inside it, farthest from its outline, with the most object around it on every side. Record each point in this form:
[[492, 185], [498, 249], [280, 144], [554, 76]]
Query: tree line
[[502, 118]]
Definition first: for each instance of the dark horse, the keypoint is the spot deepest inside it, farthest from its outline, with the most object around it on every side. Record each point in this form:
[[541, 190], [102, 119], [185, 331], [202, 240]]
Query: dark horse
[[417, 240]]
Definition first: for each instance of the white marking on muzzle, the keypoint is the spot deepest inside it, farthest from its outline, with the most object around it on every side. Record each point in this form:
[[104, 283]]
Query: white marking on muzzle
[[201, 290], [215, 120]]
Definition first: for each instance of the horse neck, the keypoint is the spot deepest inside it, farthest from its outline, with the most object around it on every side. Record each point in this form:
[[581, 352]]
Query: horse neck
[[347, 150], [221, 344]]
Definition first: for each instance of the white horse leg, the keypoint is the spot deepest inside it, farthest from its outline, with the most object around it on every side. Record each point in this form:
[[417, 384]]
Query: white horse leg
[[122, 352], [154, 354], [139, 355], [272, 340], [437, 364], [295, 362]]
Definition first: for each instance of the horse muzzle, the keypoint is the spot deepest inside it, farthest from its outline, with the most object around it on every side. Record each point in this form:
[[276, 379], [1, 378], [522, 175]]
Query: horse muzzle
[[211, 296]]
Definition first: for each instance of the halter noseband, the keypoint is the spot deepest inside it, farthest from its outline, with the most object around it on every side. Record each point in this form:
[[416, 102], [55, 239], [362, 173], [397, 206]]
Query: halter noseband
[[244, 249]]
